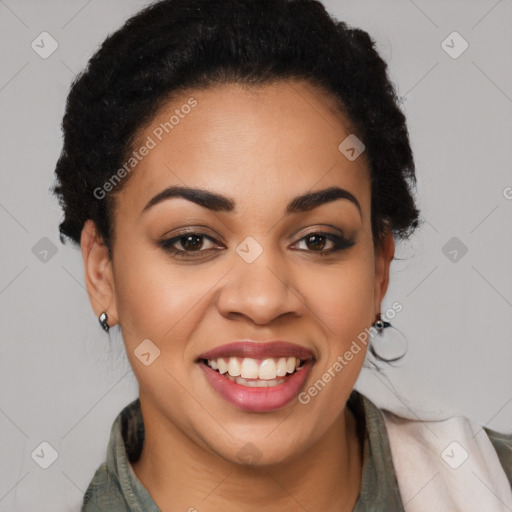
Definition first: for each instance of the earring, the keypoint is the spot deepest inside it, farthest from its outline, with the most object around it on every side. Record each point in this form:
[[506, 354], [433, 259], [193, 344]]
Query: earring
[[388, 344], [103, 321]]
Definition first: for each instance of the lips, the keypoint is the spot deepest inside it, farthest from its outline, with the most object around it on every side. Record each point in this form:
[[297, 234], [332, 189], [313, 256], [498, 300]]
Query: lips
[[259, 350], [257, 376]]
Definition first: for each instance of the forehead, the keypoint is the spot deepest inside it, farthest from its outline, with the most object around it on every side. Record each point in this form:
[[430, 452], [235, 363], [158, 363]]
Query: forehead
[[274, 141]]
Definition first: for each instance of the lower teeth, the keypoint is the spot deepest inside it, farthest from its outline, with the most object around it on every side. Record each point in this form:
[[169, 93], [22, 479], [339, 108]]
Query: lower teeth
[[256, 383]]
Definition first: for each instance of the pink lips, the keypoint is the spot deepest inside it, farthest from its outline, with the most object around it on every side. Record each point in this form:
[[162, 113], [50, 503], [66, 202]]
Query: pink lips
[[258, 399], [259, 350]]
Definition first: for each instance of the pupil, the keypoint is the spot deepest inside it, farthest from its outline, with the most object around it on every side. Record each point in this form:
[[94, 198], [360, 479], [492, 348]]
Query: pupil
[[191, 246], [317, 238]]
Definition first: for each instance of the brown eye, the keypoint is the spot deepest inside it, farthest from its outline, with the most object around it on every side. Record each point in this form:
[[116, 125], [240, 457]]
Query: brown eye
[[315, 241], [188, 245], [191, 242], [191, 245]]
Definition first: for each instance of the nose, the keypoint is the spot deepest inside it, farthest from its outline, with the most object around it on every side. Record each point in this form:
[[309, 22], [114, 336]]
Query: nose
[[261, 291]]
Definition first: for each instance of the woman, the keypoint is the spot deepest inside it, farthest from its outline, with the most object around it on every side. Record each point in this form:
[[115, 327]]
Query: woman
[[236, 173]]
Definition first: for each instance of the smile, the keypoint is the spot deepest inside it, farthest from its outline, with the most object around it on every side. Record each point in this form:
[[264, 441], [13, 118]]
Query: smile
[[270, 379]]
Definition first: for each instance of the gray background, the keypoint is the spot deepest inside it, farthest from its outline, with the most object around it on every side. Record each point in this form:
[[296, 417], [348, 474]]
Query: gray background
[[63, 381]]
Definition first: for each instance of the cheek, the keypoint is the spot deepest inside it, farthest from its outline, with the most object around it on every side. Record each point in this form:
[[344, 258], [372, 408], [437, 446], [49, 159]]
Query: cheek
[[342, 301], [342, 298], [159, 299]]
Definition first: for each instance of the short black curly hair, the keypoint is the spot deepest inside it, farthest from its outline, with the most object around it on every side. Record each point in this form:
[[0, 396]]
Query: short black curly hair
[[174, 45]]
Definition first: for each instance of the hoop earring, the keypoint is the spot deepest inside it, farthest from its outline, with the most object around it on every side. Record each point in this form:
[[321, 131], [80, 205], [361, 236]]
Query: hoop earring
[[389, 346], [103, 321]]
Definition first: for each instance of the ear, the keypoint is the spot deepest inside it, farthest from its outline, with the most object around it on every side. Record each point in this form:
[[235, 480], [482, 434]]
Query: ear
[[98, 273], [384, 254]]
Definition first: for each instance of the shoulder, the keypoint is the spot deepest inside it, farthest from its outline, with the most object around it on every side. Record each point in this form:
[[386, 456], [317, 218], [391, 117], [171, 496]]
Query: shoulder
[[502, 443], [114, 486], [103, 493], [463, 433], [452, 460]]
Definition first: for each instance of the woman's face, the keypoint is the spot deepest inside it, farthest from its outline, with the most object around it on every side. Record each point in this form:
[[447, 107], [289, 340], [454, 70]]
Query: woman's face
[[252, 271]]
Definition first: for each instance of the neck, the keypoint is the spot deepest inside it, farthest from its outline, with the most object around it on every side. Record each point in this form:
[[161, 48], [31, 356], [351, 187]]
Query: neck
[[326, 477]]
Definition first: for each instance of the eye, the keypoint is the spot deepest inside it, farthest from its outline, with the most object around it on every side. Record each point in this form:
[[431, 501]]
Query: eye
[[316, 242], [191, 242]]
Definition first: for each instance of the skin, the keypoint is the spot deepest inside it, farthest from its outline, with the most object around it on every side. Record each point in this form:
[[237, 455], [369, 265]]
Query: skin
[[261, 147]]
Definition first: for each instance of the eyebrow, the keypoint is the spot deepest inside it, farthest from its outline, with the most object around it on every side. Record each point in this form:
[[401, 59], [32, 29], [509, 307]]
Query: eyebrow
[[217, 202]]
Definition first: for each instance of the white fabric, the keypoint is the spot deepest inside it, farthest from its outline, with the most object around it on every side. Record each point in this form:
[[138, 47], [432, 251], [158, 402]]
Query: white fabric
[[446, 466]]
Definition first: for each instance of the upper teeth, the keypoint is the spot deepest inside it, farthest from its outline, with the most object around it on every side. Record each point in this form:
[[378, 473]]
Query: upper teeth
[[249, 368]]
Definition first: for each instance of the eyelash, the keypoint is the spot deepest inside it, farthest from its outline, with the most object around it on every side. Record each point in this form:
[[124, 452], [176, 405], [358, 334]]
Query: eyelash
[[340, 244]]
